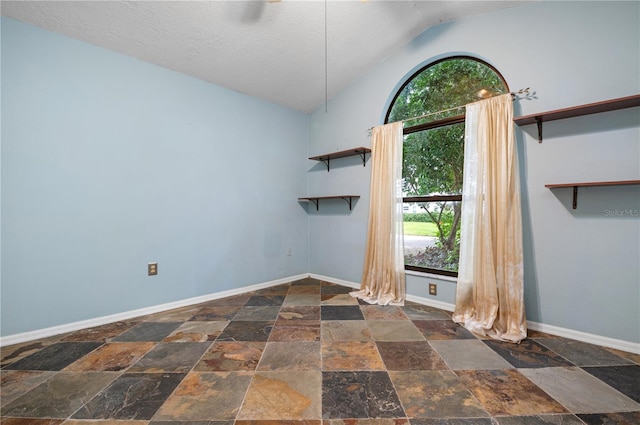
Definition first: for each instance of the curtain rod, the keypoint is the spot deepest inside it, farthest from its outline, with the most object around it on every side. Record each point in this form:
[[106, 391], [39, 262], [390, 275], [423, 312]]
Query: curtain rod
[[514, 95]]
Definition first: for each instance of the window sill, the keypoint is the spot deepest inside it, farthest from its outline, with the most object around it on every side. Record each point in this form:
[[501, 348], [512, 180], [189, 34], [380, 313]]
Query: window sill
[[431, 276]]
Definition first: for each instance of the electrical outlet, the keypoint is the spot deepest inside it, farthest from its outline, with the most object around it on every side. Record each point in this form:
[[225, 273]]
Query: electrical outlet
[[152, 269], [433, 289]]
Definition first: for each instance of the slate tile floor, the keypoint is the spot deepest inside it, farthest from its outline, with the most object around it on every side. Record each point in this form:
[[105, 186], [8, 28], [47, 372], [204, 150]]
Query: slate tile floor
[[306, 353]]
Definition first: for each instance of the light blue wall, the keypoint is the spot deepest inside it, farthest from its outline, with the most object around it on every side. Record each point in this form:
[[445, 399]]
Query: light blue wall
[[109, 163], [582, 267]]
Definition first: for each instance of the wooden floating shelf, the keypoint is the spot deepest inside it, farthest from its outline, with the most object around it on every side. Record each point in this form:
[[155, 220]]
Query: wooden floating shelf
[[326, 158], [575, 186], [576, 111], [316, 199]]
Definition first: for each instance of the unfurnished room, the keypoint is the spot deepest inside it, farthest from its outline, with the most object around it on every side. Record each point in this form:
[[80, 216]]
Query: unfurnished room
[[320, 212]]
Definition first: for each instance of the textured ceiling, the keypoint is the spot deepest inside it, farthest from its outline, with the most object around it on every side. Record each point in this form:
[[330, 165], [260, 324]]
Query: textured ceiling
[[271, 50]]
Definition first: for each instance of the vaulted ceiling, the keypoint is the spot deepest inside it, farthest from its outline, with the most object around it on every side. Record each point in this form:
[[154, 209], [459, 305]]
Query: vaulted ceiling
[[273, 50]]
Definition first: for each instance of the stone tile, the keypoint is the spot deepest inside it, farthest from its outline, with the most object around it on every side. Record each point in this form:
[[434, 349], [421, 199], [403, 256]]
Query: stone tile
[[454, 421], [281, 289], [338, 299], [410, 355], [235, 300], [350, 355], [247, 331], [147, 331], [14, 383], [579, 391], [274, 290], [295, 345], [302, 299], [539, 334], [507, 392], [295, 330], [625, 379], [102, 333], [30, 421], [274, 300], [582, 353], [228, 422], [59, 396], [196, 332], [281, 422], [176, 315], [394, 330], [527, 353], [634, 357], [307, 281], [132, 396], [364, 394], [54, 357], [330, 288], [255, 312], [363, 421], [539, 420], [423, 312], [290, 356], [620, 418], [442, 329], [104, 422], [338, 312], [283, 395], [111, 357], [13, 353], [206, 397], [345, 330], [435, 394], [380, 312], [304, 289], [171, 357], [216, 313], [231, 356], [469, 354], [301, 312]]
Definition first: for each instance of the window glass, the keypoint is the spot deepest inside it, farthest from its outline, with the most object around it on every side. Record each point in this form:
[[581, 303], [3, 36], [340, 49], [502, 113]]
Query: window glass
[[431, 104]]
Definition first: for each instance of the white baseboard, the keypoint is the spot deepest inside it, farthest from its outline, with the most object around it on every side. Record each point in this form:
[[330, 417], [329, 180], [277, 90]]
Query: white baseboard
[[431, 302], [628, 346], [619, 344], [98, 321], [334, 280]]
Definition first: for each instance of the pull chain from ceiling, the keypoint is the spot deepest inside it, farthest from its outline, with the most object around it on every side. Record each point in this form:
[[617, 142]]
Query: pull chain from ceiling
[[326, 78]]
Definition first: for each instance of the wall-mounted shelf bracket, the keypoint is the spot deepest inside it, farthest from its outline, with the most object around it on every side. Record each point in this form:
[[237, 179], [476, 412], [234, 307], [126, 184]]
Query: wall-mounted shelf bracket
[[575, 187], [326, 158], [316, 199], [349, 201], [539, 123]]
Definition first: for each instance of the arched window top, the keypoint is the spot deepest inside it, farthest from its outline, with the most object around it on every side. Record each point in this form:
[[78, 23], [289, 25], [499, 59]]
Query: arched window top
[[442, 85], [432, 103]]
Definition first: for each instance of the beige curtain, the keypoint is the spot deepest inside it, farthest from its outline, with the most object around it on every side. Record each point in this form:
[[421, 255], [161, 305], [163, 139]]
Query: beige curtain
[[383, 276], [489, 294]]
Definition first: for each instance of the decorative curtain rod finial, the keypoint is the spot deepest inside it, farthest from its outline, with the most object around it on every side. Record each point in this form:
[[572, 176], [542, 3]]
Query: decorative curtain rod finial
[[523, 94]]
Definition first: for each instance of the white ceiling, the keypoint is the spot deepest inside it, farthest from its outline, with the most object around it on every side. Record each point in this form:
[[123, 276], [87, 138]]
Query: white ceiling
[[271, 50]]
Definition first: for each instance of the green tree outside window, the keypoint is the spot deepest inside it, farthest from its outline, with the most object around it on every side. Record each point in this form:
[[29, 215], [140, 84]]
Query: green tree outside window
[[432, 105]]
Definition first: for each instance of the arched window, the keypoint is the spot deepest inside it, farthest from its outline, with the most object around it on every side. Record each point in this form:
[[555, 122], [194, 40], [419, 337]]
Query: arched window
[[431, 104]]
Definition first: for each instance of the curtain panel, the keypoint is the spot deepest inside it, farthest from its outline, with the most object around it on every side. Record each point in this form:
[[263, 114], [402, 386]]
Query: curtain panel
[[490, 289], [383, 280]]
